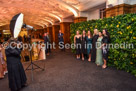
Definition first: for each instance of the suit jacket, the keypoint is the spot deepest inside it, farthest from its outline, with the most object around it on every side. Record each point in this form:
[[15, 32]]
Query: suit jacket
[[49, 38], [60, 36], [46, 39]]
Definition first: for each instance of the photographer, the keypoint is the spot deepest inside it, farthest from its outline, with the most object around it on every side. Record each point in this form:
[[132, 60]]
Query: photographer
[[16, 74]]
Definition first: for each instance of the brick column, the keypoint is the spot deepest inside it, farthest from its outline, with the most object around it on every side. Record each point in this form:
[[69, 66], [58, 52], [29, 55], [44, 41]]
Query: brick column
[[65, 28], [49, 30], [55, 32], [45, 30]]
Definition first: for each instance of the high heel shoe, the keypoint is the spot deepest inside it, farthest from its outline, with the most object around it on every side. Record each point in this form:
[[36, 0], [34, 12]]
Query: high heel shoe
[[89, 60], [78, 58], [104, 66]]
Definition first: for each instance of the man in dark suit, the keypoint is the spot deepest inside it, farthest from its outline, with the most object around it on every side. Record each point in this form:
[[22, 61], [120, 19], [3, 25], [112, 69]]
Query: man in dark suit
[[46, 42], [61, 40], [49, 39]]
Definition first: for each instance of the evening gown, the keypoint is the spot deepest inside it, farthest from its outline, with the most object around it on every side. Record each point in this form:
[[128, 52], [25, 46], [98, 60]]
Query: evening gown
[[78, 47], [3, 66], [93, 51], [16, 74], [84, 45], [105, 49], [41, 53], [89, 45], [99, 60]]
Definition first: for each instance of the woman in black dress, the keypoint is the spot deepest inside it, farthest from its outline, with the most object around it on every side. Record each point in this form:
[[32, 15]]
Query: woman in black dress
[[77, 41], [84, 45], [16, 74], [94, 40], [105, 42]]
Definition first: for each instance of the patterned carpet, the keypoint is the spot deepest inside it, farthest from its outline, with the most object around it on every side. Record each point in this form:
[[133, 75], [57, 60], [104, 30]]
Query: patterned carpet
[[64, 73]]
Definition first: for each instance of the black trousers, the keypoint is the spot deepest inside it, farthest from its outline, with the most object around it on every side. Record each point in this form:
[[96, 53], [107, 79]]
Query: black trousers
[[61, 45]]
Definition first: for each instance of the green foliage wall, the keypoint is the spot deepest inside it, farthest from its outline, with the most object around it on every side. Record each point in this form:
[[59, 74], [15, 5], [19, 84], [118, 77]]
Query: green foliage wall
[[122, 29]]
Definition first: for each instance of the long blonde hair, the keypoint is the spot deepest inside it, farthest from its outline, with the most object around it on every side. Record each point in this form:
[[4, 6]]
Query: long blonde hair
[[96, 32]]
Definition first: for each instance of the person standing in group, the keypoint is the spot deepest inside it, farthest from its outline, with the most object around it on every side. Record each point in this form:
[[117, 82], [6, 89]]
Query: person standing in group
[[49, 38], [94, 40], [99, 60], [89, 45], [46, 42], [105, 41], [41, 54], [40, 36], [84, 45], [61, 40], [77, 42], [3, 66], [16, 74]]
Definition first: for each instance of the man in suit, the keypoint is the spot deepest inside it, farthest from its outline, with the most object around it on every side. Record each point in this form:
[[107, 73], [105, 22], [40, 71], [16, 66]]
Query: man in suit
[[61, 40], [49, 39], [46, 41]]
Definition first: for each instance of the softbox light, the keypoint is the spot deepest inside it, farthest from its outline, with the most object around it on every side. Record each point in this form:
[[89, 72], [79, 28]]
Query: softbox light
[[16, 24]]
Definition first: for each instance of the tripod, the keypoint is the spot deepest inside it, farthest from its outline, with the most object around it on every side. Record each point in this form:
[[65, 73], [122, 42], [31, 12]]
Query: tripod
[[32, 66]]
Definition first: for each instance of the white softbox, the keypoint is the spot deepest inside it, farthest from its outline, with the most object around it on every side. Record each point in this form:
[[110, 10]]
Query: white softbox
[[16, 24]]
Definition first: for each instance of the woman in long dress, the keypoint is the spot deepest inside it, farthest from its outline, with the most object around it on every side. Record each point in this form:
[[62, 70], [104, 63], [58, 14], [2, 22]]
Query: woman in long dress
[[41, 54], [99, 60], [105, 50], [16, 74], [77, 42], [3, 66], [84, 44], [89, 45], [94, 40]]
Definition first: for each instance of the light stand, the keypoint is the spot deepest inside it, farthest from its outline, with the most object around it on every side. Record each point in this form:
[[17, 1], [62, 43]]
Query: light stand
[[32, 66], [15, 27]]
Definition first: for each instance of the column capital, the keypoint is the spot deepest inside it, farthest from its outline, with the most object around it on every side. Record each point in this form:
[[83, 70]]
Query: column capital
[[55, 23], [80, 19], [69, 19], [49, 26], [82, 16]]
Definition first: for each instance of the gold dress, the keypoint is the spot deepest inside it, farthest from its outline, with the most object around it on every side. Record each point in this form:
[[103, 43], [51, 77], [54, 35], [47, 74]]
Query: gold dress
[[3, 65]]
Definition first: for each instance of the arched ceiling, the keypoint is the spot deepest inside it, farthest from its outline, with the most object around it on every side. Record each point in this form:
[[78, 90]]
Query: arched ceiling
[[40, 12]]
